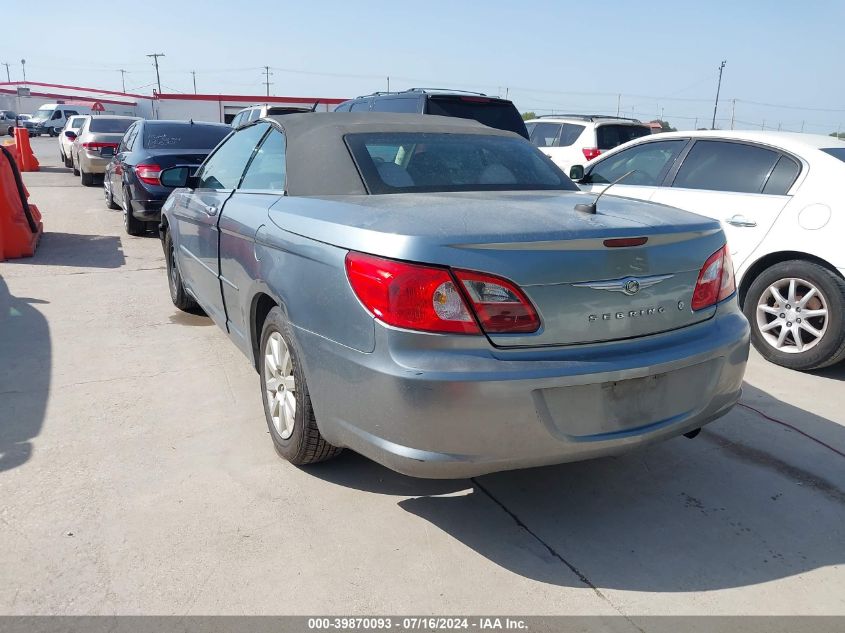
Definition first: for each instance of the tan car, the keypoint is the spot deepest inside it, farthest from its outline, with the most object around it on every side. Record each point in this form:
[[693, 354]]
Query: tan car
[[96, 144]]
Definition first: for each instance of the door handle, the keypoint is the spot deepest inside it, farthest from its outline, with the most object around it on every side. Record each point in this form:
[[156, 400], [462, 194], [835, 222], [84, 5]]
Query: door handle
[[210, 209], [740, 220]]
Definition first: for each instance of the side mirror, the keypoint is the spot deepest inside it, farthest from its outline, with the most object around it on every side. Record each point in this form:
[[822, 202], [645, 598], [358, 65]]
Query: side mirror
[[576, 172], [71, 135], [177, 177]]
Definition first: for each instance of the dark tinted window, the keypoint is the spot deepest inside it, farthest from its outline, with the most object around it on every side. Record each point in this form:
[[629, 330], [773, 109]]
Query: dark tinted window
[[267, 169], [224, 168], [495, 113], [650, 160], [343, 107], [783, 175], [109, 126], [403, 162], [397, 104], [543, 134], [836, 152], [360, 106], [723, 166], [128, 138], [569, 134], [183, 135], [614, 135]]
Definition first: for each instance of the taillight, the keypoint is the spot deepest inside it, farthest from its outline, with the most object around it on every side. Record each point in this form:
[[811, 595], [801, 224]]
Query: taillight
[[148, 173], [590, 152], [501, 307], [715, 281], [409, 295], [428, 298], [93, 146]]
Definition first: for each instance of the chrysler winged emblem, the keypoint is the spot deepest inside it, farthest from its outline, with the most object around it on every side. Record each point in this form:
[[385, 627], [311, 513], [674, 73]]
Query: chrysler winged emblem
[[627, 285]]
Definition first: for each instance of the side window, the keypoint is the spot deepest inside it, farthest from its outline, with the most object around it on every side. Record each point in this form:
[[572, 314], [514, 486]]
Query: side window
[[545, 134], [782, 177], [569, 134], [56, 115], [360, 106], [650, 160], [224, 168], [70, 113], [724, 166], [267, 169], [126, 141], [343, 107], [396, 104], [254, 114]]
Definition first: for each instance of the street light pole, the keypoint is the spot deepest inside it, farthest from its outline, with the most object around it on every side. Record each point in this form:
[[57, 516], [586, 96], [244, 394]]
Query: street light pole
[[23, 67], [155, 57], [194, 75], [8, 76], [718, 89]]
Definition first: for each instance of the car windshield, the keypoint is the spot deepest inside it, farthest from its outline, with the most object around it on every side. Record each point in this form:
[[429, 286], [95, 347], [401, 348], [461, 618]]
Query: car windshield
[[43, 115], [836, 152], [183, 135], [495, 113], [402, 162], [109, 126], [76, 122]]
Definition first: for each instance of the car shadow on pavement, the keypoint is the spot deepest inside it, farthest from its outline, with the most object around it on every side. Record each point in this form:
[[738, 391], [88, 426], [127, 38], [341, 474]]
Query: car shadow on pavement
[[836, 372], [746, 502], [25, 360], [73, 249]]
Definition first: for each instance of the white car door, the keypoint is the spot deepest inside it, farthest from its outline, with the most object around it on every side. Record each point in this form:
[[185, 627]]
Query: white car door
[[742, 185], [649, 161]]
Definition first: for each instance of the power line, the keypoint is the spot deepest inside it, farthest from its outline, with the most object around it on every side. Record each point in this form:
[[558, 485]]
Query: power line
[[155, 57]]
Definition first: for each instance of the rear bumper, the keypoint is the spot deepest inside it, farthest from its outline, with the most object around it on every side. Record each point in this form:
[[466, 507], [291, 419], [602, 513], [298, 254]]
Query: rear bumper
[[456, 408], [147, 210], [93, 164]]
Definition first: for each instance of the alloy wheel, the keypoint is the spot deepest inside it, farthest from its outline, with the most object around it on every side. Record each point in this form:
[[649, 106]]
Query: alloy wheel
[[792, 315], [280, 385]]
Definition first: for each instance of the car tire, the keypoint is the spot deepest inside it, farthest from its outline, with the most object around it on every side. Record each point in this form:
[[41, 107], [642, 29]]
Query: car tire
[[11, 131], [110, 203], [68, 162], [777, 306], [132, 225], [287, 401], [178, 295], [73, 166], [86, 178]]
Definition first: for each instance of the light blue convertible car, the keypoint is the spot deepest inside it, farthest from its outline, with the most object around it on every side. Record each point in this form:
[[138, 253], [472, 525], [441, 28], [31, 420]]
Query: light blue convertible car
[[438, 296]]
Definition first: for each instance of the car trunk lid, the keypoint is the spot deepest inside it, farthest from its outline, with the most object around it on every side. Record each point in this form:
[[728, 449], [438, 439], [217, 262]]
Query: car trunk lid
[[585, 289]]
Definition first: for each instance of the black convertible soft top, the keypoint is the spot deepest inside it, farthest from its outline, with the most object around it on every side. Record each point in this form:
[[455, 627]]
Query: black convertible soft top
[[318, 160]]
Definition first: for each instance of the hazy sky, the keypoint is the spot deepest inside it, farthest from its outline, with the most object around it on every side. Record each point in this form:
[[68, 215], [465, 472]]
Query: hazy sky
[[784, 58]]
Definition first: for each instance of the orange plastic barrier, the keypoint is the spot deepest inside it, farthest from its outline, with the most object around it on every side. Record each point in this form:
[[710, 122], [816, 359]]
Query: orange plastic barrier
[[20, 222], [13, 148], [27, 161]]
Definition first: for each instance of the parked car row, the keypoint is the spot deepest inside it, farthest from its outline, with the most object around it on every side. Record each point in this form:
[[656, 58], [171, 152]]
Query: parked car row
[[9, 120], [128, 153]]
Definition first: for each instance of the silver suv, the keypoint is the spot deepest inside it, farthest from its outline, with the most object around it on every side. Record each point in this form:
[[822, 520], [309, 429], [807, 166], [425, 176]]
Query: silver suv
[[261, 110]]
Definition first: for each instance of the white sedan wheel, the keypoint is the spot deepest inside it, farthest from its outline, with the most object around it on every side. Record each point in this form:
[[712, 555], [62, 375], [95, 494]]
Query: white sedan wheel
[[792, 315]]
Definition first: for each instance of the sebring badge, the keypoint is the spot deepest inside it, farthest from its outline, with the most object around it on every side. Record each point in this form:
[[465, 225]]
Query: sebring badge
[[628, 285]]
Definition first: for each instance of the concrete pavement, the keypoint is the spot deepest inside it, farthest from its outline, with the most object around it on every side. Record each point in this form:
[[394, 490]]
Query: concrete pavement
[[137, 476]]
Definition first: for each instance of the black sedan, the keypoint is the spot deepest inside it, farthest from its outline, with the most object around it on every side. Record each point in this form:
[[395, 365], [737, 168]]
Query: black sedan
[[131, 180]]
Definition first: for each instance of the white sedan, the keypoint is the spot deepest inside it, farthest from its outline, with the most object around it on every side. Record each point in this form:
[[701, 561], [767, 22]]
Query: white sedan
[[778, 197]]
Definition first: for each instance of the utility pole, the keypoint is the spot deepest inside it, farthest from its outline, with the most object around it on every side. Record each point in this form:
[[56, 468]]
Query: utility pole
[[733, 112], [661, 114], [763, 126], [122, 78], [802, 126], [718, 89], [267, 74], [23, 67], [155, 57], [8, 76], [194, 75], [388, 83], [695, 125], [618, 103]]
